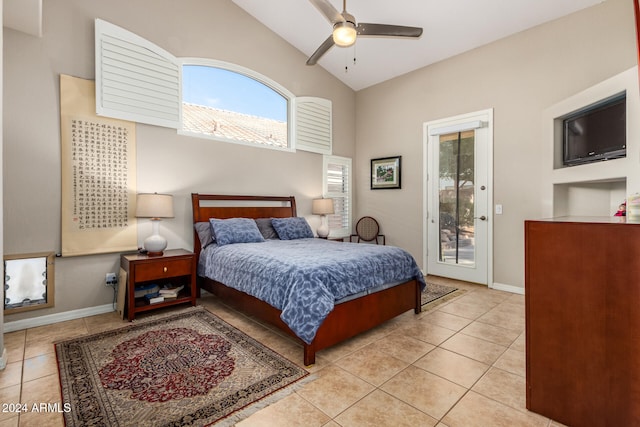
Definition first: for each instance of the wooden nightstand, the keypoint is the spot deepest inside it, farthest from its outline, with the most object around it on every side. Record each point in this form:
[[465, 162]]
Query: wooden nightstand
[[176, 266]]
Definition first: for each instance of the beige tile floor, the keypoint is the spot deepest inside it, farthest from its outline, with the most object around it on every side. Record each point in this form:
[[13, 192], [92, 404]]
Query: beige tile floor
[[460, 363]]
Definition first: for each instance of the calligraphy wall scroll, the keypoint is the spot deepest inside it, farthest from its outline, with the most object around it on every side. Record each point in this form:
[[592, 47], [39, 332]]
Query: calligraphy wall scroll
[[98, 175]]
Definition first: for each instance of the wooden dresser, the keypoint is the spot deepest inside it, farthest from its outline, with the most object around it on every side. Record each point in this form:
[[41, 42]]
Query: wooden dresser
[[582, 292]]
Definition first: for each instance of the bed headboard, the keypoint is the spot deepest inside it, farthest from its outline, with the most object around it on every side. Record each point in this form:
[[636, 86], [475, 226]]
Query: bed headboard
[[205, 206]]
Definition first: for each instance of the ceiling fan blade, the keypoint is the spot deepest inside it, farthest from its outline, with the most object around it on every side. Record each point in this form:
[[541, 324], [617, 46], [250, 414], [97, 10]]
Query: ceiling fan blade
[[365, 29], [327, 9], [324, 47]]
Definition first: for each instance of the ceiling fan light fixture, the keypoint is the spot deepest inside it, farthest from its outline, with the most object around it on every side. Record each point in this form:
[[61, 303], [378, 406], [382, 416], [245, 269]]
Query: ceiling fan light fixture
[[344, 34], [345, 31]]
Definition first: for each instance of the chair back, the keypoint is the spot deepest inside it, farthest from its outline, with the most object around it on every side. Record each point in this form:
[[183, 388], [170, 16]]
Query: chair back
[[368, 230]]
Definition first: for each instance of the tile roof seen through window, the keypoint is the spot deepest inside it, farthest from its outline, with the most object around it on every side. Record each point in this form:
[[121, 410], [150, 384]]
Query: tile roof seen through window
[[233, 126]]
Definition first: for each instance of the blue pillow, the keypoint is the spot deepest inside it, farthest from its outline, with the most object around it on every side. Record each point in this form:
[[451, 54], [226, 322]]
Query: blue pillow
[[292, 228], [235, 230]]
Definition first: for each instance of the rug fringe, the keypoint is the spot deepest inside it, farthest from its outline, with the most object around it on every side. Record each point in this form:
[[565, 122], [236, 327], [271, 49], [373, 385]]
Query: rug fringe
[[173, 312], [268, 400], [442, 300], [142, 320]]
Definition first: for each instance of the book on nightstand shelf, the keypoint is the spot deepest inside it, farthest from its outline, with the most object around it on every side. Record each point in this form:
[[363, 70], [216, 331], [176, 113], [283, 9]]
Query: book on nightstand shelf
[[170, 291], [142, 290], [154, 298]]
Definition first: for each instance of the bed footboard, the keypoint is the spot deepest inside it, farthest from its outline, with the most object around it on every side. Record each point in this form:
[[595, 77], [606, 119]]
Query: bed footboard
[[345, 321], [353, 317]]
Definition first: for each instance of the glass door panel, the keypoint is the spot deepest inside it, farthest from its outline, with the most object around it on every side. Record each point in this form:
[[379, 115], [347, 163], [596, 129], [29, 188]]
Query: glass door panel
[[456, 188]]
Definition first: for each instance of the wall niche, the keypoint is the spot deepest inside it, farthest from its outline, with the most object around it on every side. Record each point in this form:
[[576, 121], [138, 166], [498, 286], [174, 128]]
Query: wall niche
[[596, 198], [597, 188]]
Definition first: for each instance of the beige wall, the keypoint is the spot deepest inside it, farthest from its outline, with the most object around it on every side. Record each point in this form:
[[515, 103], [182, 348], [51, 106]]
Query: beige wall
[[166, 162], [519, 77]]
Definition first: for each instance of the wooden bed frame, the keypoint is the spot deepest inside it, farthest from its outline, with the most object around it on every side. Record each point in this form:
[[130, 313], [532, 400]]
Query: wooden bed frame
[[345, 321]]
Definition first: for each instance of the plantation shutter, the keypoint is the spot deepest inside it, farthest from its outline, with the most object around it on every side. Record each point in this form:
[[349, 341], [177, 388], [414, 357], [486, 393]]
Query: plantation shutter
[[337, 186], [135, 79], [313, 124]]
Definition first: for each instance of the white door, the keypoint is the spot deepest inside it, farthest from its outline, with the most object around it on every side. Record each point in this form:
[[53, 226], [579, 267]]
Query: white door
[[458, 220]]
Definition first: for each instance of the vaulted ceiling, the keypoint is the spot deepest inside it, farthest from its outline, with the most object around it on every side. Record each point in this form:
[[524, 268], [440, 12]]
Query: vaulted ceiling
[[450, 28]]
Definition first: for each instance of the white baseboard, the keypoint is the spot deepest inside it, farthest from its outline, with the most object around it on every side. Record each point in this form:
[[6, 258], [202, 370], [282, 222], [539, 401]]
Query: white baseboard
[[49, 319], [507, 288]]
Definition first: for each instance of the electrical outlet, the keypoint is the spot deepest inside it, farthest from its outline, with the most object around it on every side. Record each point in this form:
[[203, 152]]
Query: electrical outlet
[[111, 279]]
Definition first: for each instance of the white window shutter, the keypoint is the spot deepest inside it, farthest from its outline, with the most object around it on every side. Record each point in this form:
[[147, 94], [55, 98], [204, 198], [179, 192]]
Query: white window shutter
[[135, 79], [337, 176], [313, 125]]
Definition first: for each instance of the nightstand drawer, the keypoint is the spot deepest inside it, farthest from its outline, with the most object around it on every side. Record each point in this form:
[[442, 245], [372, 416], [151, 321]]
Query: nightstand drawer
[[159, 270]]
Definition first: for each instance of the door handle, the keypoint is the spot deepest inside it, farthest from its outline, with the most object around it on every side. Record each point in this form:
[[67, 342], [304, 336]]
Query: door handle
[[482, 218]]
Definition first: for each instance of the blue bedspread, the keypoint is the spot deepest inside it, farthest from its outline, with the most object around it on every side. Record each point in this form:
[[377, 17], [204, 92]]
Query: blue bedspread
[[305, 277]]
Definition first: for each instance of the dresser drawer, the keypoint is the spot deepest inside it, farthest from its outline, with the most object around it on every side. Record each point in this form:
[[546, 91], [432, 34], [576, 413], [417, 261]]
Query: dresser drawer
[[160, 270]]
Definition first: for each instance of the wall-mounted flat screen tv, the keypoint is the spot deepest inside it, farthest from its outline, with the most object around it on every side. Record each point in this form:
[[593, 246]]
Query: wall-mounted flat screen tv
[[596, 133]]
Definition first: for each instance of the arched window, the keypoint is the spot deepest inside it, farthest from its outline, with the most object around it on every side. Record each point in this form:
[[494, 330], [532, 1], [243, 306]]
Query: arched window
[[233, 104], [141, 82]]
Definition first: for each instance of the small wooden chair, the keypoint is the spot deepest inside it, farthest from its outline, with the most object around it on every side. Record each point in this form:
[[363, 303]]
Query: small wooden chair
[[367, 230]]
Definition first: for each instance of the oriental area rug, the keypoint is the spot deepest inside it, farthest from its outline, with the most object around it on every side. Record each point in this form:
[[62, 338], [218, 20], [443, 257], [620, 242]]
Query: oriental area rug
[[188, 368], [437, 294]]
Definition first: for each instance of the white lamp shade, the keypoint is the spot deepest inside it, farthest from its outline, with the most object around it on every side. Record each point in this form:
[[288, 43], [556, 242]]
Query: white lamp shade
[[154, 205], [322, 207]]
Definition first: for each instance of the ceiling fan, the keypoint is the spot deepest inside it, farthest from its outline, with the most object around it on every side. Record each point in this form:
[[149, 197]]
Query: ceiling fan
[[345, 29]]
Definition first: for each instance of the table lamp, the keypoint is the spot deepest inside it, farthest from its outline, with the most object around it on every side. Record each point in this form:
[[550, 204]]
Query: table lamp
[[323, 207], [155, 206]]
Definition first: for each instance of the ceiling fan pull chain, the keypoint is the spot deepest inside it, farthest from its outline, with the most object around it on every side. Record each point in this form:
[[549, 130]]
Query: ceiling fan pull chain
[[346, 62], [346, 67]]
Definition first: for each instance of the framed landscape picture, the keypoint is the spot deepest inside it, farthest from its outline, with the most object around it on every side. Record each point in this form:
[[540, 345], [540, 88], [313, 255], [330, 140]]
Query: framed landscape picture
[[385, 173]]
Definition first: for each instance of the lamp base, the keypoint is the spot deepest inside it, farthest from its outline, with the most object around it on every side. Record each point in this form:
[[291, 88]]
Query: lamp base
[[155, 244], [155, 253], [323, 230]]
